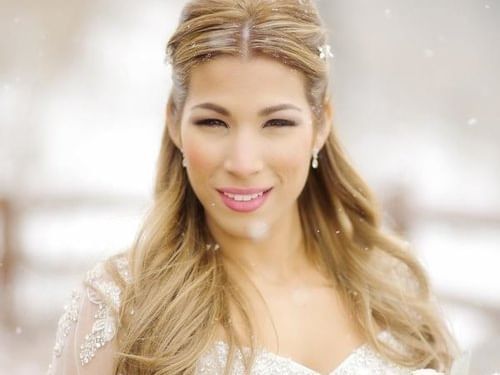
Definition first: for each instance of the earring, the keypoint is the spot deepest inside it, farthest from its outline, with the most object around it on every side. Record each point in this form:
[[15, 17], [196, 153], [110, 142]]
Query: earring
[[184, 162], [314, 163]]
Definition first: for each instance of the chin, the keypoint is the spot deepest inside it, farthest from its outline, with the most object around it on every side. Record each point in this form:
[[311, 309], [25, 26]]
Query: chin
[[246, 228]]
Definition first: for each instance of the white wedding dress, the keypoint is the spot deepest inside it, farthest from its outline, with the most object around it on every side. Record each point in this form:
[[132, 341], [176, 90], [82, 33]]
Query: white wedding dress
[[87, 328]]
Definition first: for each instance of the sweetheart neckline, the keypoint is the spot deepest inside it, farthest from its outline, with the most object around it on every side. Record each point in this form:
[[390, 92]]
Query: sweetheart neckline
[[301, 365], [342, 363]]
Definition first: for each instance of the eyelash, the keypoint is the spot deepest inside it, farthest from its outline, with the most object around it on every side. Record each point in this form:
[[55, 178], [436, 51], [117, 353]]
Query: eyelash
[[209, 121]]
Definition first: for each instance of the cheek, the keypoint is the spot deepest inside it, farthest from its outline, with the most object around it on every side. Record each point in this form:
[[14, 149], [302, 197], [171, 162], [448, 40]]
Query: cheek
[[292, 159], [197, 158], [201, 164], [198, 153], [289, 161]]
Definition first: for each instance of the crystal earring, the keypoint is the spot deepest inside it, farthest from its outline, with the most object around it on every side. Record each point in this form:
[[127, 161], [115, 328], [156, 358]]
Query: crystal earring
[[314, 163], [184, 162], [215, 247]]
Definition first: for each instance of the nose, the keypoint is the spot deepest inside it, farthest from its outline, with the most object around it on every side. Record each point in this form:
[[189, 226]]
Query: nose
[[244, 156]]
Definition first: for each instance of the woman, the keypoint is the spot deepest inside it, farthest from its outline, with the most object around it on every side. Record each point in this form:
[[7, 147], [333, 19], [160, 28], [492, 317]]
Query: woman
[[261, 236]]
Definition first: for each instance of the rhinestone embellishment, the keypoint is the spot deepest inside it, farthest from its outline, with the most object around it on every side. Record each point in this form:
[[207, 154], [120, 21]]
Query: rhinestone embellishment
[[104, 327], [67, 320]]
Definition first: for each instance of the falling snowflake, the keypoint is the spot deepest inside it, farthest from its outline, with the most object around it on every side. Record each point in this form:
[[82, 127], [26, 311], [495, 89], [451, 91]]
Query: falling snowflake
[[428, 53], [472, 121], [258, 230]]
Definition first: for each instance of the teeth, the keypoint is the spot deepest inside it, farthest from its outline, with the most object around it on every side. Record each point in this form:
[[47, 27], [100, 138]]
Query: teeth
[[239, 197]]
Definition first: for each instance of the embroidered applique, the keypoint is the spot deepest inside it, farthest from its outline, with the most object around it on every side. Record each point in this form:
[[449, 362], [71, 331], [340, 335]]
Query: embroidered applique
[[104, 327], [103, 293], [66, 321], [362, 360], [123, 270]]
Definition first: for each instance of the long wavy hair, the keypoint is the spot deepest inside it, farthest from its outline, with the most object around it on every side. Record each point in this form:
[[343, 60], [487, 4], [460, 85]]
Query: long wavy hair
[[180, 291]]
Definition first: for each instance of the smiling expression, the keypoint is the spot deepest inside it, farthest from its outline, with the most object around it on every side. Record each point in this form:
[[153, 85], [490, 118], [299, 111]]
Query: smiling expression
[[247, 124]]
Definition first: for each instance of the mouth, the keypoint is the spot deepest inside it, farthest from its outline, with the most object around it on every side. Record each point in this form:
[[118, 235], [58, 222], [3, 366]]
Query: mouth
[[244, 202]]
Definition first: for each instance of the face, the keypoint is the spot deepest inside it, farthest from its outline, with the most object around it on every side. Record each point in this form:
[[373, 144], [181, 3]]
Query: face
[[247, 124]]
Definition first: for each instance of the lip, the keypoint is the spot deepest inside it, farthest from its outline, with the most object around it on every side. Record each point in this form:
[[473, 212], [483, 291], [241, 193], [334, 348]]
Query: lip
[[245, 206], [235, 190]]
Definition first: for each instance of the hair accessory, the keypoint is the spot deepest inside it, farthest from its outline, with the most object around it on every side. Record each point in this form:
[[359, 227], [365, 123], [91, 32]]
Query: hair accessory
[[325, 51], [314, 163]]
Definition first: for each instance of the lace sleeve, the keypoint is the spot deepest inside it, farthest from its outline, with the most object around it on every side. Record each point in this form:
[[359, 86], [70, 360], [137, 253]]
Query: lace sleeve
[[86, 331]]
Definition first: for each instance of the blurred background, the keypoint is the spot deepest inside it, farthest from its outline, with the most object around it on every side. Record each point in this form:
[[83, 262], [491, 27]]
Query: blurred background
[[83, 85]]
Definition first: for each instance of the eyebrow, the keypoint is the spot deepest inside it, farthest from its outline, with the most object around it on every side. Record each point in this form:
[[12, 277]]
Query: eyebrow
[[263, 112]]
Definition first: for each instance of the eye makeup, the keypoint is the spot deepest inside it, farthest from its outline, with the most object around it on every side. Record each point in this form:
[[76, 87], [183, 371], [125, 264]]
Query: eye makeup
[[212, 122]]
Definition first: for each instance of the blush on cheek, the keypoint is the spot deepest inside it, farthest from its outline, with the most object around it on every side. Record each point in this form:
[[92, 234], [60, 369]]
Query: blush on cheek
[[291, 157], [195, 157], [289, 167], [200, 168], [198, 157]]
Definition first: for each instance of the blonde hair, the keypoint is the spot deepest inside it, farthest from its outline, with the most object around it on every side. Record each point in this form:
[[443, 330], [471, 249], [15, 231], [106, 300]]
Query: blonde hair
[[180, 290]]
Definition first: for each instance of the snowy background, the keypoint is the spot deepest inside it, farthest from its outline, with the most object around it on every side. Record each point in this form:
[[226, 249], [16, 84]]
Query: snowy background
[[83, 86]]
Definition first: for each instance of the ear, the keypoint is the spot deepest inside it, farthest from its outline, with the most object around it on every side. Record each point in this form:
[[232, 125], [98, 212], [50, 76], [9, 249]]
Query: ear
[[325, 126], [172, 124]]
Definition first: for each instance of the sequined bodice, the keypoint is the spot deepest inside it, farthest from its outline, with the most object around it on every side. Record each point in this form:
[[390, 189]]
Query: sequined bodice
[[363, 360], [87, 326]]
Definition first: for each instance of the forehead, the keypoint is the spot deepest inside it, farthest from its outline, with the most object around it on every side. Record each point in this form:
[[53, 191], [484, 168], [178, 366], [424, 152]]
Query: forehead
[[258, 79]]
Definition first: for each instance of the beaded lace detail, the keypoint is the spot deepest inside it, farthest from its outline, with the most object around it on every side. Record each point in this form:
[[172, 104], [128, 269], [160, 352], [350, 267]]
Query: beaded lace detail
[[106, 295], [66, 321], [122, 266], [104, 327], [362, 360]]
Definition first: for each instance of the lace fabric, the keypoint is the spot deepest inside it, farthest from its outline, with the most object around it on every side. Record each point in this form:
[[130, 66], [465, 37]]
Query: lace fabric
[[362, 360], [87, 328], [86, 332]]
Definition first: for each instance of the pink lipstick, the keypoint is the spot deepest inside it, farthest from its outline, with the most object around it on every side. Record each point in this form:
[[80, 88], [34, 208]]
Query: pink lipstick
[[244, 200]]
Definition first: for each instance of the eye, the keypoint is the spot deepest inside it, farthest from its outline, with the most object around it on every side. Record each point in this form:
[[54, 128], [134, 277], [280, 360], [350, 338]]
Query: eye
[[210, 122], [281, 122]]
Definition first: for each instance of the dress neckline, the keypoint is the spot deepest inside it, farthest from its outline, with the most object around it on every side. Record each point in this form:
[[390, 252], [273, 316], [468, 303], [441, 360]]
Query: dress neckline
[[295, 363]]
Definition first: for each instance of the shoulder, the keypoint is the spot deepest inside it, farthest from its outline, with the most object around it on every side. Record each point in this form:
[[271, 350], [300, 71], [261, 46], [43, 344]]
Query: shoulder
[[102, 299], [88, 326], [105, 281]]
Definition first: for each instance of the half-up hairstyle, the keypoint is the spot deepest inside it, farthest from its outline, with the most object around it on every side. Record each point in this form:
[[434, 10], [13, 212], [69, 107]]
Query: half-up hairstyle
[[180, 291]]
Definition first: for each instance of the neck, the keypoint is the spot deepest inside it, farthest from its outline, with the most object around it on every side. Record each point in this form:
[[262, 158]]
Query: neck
[[277, 257]]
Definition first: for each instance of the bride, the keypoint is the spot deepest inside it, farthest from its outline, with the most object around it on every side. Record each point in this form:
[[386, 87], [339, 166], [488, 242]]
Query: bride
[[263, 251]]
